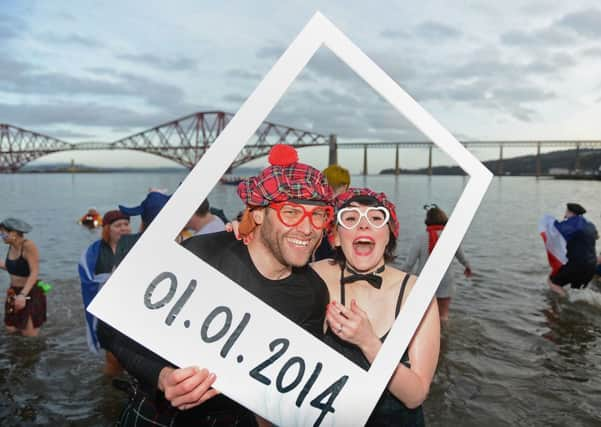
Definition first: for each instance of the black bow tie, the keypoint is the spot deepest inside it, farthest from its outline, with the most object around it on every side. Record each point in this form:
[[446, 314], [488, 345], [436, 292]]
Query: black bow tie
[[371, 278]]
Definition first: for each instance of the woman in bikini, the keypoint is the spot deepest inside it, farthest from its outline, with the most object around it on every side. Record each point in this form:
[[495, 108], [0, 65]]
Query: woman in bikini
[[25, 308]]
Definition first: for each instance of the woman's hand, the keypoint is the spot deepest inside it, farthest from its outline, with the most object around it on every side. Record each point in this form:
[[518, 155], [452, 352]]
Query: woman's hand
[[233, 227], [188, 387], [353, 325], [468, 272], [20, 302]]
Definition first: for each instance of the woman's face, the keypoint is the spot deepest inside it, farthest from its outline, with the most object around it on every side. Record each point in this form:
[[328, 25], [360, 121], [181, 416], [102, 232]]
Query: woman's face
[[365, 244], [118, 229], [8, 236]]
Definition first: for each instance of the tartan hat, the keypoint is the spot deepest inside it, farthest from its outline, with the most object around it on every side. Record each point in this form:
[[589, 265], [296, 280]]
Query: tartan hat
[[285, 179], [368, 197]]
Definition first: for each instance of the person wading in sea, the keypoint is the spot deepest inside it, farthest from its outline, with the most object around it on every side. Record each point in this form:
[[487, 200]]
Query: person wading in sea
[[25, 308]]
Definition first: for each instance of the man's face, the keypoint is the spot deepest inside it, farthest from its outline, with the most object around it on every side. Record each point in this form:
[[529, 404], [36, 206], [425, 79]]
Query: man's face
[[117, 229], [568, 214], [290, 246]]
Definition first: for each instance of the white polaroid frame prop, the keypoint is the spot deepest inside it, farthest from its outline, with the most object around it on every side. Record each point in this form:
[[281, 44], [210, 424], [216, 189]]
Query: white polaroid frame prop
[[176, 305]]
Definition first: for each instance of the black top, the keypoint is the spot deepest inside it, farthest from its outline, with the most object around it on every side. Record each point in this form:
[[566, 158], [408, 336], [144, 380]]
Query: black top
[[302, 297], [106, 259], [581, 246], [17, 267], [125, 243], [389, 410]]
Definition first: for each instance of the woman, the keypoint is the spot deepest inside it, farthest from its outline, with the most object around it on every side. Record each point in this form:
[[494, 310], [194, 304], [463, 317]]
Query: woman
[[366, 295], [420, 250], [95, 266], [25, 308]]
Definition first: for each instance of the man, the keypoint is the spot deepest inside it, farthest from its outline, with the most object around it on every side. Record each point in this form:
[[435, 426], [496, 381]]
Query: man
[[339, 179], [148, 210], [202, 222], [580, 236], [287, 210]]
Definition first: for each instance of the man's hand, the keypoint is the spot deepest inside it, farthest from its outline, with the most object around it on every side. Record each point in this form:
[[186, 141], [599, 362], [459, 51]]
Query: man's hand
[[188, 387]]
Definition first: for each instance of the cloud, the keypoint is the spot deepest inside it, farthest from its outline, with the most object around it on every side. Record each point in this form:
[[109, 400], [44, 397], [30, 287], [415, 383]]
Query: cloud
[[70, 39], [234, 98], [11, 26], [270, 52], [155, 61], [394, 34], [80, 114], [436, 31], [551, 36], [593, 52], [586, 23], [62, 133], [239, 73], [25, 79]]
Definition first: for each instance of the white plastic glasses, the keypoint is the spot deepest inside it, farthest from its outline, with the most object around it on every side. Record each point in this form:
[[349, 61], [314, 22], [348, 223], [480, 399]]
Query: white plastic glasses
[[376, 216]]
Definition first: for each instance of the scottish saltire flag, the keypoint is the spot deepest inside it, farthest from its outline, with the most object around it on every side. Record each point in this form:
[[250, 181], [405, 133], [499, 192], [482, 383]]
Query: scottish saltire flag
[[90, 285], [555, 242]]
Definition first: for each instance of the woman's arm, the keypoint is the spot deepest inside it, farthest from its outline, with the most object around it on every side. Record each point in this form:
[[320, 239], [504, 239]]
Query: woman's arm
[[31, 255], [461, 258], [409, 385]]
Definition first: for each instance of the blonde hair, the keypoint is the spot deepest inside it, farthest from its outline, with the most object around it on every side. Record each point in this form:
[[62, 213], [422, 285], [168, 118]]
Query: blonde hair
[[337, 176]]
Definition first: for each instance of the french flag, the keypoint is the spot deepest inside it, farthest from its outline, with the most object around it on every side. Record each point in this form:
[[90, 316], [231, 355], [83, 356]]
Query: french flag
[[555, 242]]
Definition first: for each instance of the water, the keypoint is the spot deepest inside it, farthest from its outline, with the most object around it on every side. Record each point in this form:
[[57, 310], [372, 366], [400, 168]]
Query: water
[[513, 353]]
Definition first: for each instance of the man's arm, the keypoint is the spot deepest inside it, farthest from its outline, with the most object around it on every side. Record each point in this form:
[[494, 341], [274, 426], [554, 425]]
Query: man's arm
[[136, 359]]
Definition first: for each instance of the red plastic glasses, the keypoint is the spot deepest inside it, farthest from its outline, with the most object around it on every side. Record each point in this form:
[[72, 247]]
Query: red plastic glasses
[[291, 214]]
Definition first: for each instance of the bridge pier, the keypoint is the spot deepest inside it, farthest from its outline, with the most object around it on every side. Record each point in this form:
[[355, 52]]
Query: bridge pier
[[538, 168], [500, 164], [430, 160], [396, 160], [333, 150], [577, 166], [364, 159]]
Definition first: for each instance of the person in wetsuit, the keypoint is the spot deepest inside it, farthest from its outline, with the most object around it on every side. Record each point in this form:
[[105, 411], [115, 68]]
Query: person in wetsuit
[[287, 211], [25, 307], [367, 294]]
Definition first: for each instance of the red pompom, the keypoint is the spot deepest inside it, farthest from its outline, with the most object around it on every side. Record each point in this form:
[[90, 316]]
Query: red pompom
[[282, 155]]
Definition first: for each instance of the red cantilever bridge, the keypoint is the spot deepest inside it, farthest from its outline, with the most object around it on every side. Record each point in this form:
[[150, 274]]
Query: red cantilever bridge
[[185, 141]]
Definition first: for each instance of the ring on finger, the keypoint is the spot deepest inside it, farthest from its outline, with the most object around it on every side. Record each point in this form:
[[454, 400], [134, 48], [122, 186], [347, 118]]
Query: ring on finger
[[340, 328]]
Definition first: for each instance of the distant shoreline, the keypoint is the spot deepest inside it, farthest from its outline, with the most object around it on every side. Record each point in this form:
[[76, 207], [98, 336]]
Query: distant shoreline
[[125, 170]]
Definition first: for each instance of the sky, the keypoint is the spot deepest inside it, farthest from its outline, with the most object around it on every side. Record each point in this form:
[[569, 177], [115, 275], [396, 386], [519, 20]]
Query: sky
[[513, 70]]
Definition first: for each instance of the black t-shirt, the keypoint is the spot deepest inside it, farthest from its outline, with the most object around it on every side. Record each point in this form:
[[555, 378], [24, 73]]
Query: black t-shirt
[[302, 297]]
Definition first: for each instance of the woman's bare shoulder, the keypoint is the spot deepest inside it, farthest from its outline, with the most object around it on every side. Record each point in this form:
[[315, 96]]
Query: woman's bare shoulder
[[323, 266], [29, 247]]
